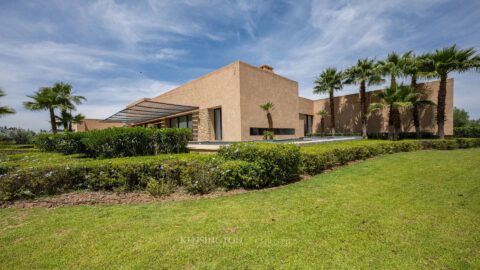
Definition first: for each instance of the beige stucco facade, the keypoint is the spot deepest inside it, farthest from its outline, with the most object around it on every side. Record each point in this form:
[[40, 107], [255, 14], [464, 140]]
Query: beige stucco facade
[[92, 124], [239, 88], [347, 112]]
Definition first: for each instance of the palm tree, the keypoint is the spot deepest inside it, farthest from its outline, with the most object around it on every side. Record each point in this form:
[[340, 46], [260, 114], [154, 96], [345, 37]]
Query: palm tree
[[444, 61], [417, 101], [393, 66], [44, 99], [66, 119], [395, 98], [66, 97], [415, 67], [322, 114], [5, 109], [329, 81], [365, 72], [77, 119], [267, 107], [50, 98]]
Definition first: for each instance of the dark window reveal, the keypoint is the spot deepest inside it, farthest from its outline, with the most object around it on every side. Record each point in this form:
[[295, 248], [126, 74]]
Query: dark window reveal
[[181, 121], [276, 131]]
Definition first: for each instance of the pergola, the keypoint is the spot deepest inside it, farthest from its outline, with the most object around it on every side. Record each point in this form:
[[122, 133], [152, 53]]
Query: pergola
[[147, 110]]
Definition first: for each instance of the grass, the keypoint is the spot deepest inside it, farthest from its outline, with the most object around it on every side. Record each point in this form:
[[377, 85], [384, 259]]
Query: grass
[[325, 147], [26, 156], [407, 210]]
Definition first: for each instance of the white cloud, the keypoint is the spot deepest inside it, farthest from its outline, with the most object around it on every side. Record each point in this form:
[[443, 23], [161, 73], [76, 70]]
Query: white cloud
[[170, 54]]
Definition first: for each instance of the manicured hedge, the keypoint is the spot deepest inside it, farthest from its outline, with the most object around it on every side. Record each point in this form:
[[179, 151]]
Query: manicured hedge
[[247, 165], [402, 135], [278, 163], [467, 132], [315, 159], [104, 175], [117, 142]]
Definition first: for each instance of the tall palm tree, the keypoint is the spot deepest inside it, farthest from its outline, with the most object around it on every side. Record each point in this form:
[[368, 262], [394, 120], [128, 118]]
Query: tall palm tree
[[444, 61], [416, 67], [392, 66], [329, 81], [44, 99], [395, 98], [268, 107], [364, 73], [5, 109]]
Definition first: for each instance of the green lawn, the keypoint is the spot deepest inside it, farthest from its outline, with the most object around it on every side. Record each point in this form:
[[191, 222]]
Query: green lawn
[[15, 156], [407, 210]]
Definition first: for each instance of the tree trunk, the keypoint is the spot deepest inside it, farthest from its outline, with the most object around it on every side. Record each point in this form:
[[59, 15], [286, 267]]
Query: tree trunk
[[364, 108], [415, 109], [393, 81], [397, 122], [52, 120], [332, 113], [270, 121], [416, 120], [391, 125], [442, 93]]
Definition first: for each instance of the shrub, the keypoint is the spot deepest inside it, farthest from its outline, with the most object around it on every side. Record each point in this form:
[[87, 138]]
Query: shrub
[[125, 142], [16, 135], [238, 173], [467, 132], [278, 163], [402, 135], [45, 142], [70, 143], [117, 142], [199, 177], [160, 188], [171, 140], [268, 135], [102, 175]]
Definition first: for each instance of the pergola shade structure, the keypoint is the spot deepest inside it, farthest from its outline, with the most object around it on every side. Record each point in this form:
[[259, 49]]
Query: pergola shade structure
[[147, 110]]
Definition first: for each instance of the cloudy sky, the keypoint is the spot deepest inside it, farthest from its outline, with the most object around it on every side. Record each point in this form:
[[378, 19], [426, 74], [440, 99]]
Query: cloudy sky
[[114, 52]]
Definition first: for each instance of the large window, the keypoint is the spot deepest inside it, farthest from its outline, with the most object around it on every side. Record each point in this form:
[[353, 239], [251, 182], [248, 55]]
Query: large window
[[181, 121], [217, 119], [276, 131]]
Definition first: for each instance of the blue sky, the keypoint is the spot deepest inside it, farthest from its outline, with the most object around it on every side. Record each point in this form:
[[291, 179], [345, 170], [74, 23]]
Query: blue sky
[[114, 52]]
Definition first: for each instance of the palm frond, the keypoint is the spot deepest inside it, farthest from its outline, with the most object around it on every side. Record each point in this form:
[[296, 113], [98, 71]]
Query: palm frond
[[6, 110], [374, 107]]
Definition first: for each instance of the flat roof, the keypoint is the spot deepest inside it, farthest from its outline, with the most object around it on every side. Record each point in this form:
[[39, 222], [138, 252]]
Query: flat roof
[[146, 110]]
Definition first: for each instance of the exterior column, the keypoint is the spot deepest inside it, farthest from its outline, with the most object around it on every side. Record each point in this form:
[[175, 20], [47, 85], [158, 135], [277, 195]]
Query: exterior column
[[204, 132]]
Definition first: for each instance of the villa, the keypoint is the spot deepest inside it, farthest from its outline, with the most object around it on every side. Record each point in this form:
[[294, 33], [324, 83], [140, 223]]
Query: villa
[[224, 105]]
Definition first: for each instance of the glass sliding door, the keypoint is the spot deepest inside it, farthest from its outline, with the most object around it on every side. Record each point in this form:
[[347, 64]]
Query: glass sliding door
[[307, 125], [217, 123]]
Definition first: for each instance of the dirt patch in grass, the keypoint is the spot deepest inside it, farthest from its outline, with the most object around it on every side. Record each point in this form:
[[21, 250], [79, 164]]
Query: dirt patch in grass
[[105, 197], [110, 197]]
